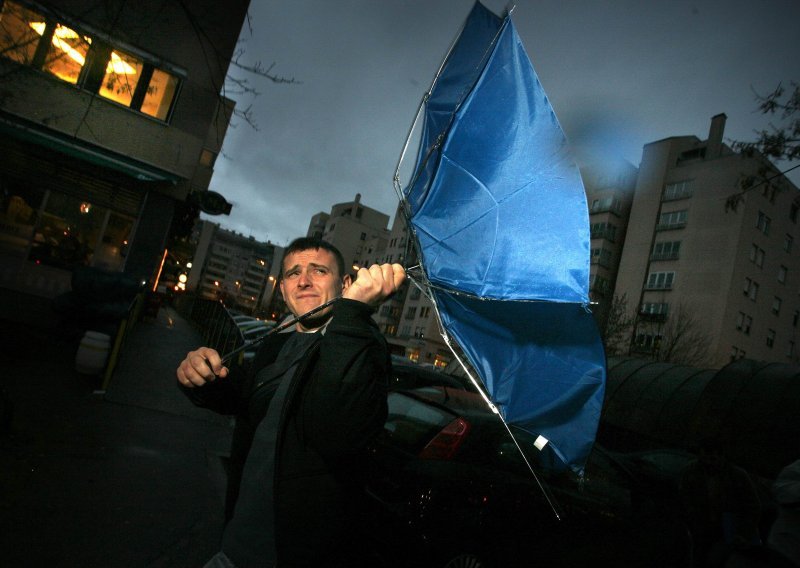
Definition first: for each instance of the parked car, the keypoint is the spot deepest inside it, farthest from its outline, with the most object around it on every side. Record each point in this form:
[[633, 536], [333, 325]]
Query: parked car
[[409, 375], [449, 488]]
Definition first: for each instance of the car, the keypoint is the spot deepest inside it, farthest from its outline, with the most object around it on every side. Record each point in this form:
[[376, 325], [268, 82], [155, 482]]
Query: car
[[408, 375], [448, 487]]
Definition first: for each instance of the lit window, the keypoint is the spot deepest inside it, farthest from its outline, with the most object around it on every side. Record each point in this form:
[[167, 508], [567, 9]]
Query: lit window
[[18, 37], [122, 73], [159, 94], [66, 55]]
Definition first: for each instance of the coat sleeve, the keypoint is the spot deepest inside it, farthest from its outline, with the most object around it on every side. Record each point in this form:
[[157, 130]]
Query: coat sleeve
[[345, 404]]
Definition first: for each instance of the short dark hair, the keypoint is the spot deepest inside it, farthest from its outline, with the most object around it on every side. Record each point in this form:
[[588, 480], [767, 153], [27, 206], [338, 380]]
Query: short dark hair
[[308, 243]]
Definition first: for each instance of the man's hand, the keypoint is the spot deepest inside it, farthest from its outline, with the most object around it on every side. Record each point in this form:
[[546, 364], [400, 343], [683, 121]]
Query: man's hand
[[200, 367], [373, 286]]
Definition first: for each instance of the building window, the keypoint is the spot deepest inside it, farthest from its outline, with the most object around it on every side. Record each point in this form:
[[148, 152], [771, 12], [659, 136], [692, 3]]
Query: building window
[[424, 312], [782, 274], [770, 338], [601, 256], [654, 311], [606, 231], [678, 190], [787, 242], [757, 255], [66, 54], [790, 349], [737, 353], [406, 330], [599, 284], [363, 236], [19, 38], [411, 312], [660, 280], [743, 323], [776, 305], [763, 223], [667, 250], [604, 205], [415, 293], [672, 220], [419, 332], [77, 58], [751, 289]]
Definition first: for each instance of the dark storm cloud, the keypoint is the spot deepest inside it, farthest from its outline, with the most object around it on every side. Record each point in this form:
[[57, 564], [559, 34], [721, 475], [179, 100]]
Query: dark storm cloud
[[619, 75]]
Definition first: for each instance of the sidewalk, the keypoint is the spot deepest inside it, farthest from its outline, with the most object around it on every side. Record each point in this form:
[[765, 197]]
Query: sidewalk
[[127, 478]]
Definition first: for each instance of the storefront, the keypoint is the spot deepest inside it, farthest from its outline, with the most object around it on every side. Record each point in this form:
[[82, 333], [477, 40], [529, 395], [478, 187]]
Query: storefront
[[64, 205]]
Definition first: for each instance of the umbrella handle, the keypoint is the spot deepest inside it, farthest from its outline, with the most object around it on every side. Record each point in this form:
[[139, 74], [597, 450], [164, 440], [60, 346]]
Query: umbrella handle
[[277, 329]]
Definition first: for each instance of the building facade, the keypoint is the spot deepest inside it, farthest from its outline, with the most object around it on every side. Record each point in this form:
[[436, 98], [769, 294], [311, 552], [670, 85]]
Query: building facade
[[609, 195], [110, 116], [238, 270], [707, 282]]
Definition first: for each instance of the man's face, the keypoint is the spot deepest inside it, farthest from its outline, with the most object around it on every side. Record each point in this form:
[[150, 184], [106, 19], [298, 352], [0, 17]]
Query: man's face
[[311, 278]]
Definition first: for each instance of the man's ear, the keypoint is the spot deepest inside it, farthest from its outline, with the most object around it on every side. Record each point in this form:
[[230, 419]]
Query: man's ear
[[347, 281], [283, 292]]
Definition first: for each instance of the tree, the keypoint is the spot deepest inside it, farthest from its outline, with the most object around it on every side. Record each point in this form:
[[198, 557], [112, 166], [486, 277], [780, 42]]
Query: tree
[[617, 329], [780, 142], [679, 338]]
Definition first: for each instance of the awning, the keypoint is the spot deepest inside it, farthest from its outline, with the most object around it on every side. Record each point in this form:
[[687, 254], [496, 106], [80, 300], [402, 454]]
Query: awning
[[27, 131]]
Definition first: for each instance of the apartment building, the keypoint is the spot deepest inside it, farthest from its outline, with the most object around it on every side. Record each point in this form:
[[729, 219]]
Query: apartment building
[[708, 281], [110, 116], [350, 226], [609, 195], [239, 270]]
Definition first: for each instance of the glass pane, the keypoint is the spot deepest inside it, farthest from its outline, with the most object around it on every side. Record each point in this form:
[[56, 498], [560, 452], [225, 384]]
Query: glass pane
[[18, 213], [20, 30], [110, 255], [67, 54], [160, 92], [67, 232], [122, 74]]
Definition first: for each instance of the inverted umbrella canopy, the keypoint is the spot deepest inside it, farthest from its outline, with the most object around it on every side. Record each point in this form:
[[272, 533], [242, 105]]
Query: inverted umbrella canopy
[[498, 211]]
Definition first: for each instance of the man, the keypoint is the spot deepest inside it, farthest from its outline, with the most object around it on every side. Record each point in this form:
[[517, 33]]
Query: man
[[306, 410]]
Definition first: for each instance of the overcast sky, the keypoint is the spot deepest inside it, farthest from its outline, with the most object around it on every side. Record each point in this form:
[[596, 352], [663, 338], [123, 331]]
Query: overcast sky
[[620, 74]]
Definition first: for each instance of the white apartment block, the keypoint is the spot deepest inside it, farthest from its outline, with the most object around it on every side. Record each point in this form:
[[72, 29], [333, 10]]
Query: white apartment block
[[239, 270], [692, 265]]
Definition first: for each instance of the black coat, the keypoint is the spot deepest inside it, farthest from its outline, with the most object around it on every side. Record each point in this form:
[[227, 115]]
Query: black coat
[[337, 405]]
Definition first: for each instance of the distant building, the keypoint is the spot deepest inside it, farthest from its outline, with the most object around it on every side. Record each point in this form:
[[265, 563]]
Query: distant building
[[692, 266], [609, 194], [110, 118], [238, 270], [350, 226]]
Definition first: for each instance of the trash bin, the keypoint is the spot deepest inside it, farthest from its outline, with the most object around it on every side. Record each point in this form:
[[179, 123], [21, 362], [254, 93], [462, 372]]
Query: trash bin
[[92, 353]]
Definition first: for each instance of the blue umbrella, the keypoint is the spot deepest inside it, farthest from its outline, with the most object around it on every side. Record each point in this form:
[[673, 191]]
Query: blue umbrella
[[498, 213]]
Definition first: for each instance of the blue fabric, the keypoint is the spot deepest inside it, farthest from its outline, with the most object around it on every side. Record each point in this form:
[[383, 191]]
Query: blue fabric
[[505, 187], [541, 362], [499, 213]]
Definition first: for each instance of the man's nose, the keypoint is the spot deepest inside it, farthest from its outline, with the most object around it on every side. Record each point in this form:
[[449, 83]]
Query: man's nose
[[303, 280]]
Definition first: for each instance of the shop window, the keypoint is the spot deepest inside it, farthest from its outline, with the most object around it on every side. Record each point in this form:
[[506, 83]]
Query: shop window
[[68, 232], [18, 38], [18, 215], [113, 247]]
